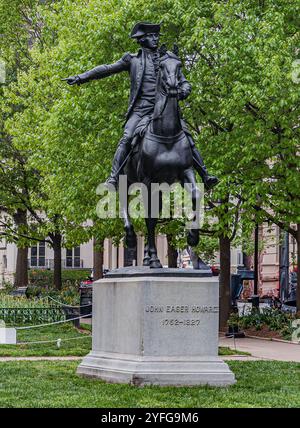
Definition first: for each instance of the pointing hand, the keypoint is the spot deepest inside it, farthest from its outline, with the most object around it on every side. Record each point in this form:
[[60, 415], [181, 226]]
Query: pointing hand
[[73, 80]]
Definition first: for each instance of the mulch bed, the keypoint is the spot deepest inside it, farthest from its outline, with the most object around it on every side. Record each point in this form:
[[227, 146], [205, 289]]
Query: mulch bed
[[264, 332]]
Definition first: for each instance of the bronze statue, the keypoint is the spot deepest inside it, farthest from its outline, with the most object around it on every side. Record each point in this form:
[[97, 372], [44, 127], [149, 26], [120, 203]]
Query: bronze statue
[[156, 146], [143, 68]]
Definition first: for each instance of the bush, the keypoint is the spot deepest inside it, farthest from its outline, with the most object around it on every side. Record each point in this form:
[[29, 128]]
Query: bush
[[44, 278], [20, 310], [7, 301], [273, 319], [69, 294], [7, 287]]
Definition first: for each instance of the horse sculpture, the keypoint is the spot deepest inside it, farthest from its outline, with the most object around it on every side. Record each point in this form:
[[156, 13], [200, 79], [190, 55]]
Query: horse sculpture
[[161, 154]]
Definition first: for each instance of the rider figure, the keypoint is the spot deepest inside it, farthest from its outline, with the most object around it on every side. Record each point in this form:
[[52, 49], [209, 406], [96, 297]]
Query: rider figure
[[143, 68]]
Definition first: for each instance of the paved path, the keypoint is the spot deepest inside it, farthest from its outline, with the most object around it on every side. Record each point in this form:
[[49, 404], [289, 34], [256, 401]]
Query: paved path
[[264, 349]]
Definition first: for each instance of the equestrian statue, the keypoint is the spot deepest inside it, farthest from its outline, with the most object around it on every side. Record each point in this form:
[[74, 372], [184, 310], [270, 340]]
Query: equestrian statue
[[156, 146]]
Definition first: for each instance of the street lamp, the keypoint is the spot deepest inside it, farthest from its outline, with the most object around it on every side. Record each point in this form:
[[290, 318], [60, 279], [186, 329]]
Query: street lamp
[[255, 296]]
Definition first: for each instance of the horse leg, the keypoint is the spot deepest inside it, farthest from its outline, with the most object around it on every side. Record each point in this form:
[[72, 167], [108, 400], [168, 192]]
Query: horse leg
[[130, 235], [146, 259], [154, 261], [189, 177]]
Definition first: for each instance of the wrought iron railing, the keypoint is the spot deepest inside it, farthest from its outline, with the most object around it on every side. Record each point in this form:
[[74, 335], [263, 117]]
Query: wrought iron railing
[[17, 316]]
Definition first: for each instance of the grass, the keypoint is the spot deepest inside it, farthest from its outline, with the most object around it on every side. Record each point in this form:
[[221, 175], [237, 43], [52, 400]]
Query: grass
[[79, 346], [55, 384], [225, 350], [76, 347]]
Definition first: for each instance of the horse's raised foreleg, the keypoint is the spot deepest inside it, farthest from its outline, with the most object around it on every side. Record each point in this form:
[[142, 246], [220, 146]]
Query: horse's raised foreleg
[[193, 234]]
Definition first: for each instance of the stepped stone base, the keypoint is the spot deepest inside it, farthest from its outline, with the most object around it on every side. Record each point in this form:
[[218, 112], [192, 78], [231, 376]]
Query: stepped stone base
[[152, 330], [160, 371]]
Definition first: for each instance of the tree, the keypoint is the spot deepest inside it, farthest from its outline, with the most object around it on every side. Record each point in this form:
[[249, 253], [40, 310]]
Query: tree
[[238, 57], [14, 179], [26, 215]]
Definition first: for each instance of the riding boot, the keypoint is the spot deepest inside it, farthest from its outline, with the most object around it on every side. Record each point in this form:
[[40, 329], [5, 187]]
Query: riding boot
[[119, 158], [209, 180]]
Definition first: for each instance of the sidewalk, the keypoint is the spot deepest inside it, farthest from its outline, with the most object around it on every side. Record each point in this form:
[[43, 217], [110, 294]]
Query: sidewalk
[[263, 349]]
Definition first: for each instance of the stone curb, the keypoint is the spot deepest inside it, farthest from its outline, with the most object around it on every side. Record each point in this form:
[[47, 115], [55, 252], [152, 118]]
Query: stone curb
[[242, 358], [270, 339], [273, 339]]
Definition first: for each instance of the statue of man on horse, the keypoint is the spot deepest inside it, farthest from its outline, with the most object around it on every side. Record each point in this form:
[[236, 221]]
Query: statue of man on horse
[[156, 146], [143, 68]]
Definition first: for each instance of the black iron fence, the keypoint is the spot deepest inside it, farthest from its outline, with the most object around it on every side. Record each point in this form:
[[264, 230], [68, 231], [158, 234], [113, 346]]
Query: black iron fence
[[17, 316]]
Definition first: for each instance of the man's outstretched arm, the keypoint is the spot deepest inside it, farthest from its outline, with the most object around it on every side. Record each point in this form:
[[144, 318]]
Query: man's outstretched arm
[[185, 87], [101, 71]]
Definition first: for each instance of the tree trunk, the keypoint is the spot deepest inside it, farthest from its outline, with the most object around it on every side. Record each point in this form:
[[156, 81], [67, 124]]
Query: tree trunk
[[247, 261], [98, 260], [298, 269], [21, 276], [56, 244], [225, 298], [172, 253]]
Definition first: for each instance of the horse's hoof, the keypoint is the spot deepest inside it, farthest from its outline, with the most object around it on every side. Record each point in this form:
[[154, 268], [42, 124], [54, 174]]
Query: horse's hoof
[[146, 261], [155, 264], [130, 237], [193, 237]]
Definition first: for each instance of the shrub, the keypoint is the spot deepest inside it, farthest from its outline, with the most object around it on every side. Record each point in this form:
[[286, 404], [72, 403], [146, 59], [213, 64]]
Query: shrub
[[21, 310], [44, 277], [273, 319]]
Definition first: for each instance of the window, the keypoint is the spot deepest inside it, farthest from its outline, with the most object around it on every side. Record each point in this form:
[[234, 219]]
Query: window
[[42, 253], [37, 256], [69, 257], [73, 257]]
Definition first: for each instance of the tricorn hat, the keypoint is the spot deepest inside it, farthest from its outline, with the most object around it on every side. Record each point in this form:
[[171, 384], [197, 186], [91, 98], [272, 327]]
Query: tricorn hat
[[142, 28]]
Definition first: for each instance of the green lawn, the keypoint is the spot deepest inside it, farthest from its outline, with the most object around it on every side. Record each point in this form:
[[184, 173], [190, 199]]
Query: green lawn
[[225, 350], [55, 384], [79, 346]]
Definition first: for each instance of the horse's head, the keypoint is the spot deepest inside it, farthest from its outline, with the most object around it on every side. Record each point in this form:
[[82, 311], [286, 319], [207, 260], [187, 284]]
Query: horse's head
[[170, 66]]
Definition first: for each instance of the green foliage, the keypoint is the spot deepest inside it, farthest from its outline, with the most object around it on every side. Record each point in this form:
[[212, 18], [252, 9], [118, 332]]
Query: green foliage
[[238, 56], [21, 310], [44, 278], [41, 285], [22, 302], [69, 294], [273, 319], [225, 350]]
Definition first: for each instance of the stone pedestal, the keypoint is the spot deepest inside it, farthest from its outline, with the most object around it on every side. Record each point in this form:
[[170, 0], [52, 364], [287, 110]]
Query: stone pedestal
[[156, 329]]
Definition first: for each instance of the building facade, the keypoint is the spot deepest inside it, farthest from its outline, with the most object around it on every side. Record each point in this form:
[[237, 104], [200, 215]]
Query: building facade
[[41, 256]]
